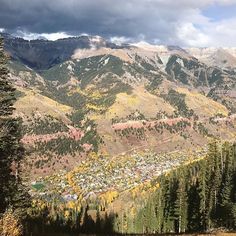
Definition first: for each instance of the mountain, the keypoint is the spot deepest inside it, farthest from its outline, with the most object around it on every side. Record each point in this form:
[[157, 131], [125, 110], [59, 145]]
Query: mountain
[[221, 57], [129, 98], [42, 54], [103, 121]]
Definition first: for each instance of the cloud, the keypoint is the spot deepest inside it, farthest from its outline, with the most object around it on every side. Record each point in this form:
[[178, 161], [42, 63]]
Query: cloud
[[49, 36], [212, 34], [120, 40], [222, 32], [154, 21], [192, 36]]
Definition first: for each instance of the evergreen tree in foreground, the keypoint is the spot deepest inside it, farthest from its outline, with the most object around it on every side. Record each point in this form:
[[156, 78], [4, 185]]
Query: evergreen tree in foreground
[[12, 193]]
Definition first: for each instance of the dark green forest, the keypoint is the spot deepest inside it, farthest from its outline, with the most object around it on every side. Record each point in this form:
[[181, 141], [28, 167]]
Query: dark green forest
[[194, 198], [14, 199]]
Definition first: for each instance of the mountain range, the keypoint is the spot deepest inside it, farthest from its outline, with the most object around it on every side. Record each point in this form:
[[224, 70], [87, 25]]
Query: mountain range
[[85, 96]]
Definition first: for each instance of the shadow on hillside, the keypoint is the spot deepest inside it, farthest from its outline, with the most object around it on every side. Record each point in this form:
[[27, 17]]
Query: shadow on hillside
[[43, 227]]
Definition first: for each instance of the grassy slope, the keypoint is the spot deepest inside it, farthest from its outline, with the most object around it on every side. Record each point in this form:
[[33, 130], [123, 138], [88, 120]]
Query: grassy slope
[[202, 105], [140, 100], [33, 102]]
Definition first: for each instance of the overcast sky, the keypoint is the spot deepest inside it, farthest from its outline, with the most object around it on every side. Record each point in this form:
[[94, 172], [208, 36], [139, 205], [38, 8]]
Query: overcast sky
[[176, 22]]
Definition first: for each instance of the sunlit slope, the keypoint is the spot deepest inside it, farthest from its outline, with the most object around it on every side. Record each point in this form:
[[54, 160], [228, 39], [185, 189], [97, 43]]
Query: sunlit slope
[[202, 105], [32, 102], [140, 100]]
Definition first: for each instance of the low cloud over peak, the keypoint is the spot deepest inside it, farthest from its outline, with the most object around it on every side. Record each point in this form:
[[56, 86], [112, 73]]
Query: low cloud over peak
[[181, 22]]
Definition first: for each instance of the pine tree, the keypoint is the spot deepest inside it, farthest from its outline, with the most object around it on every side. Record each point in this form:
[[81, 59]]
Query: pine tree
[[11, 151], [181, 204], [159, 208], [202, 193], [224, 209], [212, 182]]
